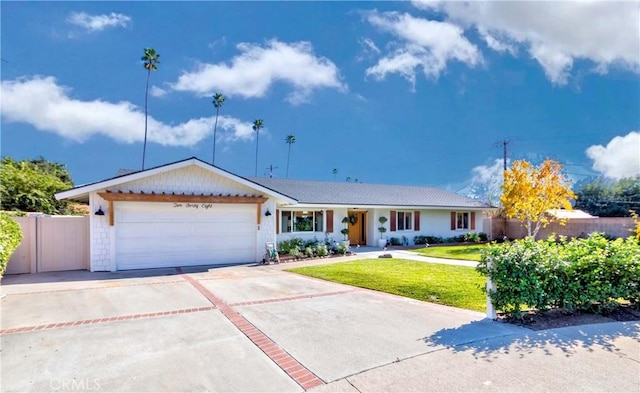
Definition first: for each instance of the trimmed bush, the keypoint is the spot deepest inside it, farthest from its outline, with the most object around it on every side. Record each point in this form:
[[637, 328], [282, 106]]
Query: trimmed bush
[[10, 239], [578, 275]]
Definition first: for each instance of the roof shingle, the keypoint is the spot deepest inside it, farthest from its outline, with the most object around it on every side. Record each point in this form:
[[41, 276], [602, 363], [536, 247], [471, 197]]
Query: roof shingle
[[338, 193]]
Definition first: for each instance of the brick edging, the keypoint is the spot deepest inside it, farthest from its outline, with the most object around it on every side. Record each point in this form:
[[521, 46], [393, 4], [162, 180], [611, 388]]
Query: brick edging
[[296, 371], [95, 321]]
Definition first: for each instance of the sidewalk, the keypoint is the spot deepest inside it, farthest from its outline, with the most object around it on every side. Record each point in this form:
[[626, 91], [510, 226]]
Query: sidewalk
[[597, 358]]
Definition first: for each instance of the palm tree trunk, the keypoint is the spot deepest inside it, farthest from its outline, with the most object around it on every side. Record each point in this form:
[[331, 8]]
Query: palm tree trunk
[[257, 136], [146, 99], [213, 160], [288, 156]]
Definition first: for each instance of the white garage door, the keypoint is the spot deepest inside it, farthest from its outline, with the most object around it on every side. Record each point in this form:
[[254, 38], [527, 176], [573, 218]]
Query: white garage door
[[150, 235]]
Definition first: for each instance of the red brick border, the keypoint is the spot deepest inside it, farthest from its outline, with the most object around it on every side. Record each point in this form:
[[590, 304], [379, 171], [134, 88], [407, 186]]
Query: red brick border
[[299, 373], [24, 329], [286, 299]]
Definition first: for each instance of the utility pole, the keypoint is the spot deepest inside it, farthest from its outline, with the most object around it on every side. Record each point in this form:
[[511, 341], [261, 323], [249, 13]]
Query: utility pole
[[504, 153], [270, 168]]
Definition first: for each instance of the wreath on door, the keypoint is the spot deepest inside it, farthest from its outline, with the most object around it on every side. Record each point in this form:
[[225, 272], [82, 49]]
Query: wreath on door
[[353, 219]]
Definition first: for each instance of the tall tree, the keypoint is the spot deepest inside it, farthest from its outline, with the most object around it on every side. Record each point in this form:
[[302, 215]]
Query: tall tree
[[218, 100], [335, 173], [150, 60], [258, 124], [290, 140], [609, 198], [529, 192], [30, 186]]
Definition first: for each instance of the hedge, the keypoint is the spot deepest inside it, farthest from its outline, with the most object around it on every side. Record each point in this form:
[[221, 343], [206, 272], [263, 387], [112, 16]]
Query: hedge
[[578, 275], [10, 238]]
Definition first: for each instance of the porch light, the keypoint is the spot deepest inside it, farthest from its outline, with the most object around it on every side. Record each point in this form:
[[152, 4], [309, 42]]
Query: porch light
[[99, 212], [268, 213]]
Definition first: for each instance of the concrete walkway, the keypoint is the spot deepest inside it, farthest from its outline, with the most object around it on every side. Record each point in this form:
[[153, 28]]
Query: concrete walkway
[[374, 252]]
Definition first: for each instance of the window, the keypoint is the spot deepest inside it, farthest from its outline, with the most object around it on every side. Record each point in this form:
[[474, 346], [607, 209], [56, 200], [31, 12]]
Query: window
[[405, 223], [302, 221], [462, 220]]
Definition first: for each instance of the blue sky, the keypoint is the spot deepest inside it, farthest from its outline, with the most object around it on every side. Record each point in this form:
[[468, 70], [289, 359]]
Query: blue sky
[[417, 93]]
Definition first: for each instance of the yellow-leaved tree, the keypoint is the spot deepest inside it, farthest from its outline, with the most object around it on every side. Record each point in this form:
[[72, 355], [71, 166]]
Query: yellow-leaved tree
[[529, 192]]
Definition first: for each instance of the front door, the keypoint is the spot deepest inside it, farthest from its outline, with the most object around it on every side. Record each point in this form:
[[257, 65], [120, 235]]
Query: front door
[[357, 228]]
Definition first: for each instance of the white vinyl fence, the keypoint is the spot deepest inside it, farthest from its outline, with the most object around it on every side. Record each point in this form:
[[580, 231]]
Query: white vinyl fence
[[51, 243]]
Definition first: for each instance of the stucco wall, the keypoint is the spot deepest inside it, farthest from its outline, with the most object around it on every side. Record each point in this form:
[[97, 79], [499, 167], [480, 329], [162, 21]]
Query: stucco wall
[[191, 179]]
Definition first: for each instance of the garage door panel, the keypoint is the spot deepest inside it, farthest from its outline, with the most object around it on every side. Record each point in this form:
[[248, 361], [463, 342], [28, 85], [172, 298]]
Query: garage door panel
[[183, 230], [158, 235]]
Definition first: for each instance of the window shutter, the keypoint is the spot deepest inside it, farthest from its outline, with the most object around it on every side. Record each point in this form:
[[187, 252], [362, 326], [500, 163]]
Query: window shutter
[[392, 221], [473, 220], [277, 221], [416, 220], [329, 228], [453, 221]]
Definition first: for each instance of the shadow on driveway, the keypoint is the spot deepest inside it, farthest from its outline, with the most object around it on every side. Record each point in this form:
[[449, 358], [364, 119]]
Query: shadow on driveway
[[468, 338]]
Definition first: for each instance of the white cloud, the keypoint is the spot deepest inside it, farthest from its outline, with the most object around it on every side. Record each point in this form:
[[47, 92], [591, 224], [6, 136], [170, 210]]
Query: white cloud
[[257, 68], [486, 182], [156, 91], [498, 45], [422, 43], [93, 23], [620, 158], [47, 106], [555, 33]]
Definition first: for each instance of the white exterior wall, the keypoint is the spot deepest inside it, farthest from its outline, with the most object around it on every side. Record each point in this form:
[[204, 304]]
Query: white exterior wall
[[188, 180], [435, 223], [432, 223], [99, 235]]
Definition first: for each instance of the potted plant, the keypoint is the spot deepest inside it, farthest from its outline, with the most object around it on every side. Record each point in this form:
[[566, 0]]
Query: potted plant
[[382, 220], [345, 231]]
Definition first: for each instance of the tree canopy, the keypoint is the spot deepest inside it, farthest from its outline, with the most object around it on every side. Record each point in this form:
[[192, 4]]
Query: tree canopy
[[529, 192], [604, 198], [30, 185]]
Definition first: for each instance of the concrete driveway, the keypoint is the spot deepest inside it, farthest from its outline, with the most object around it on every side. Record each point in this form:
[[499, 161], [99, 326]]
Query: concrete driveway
[[258, 328]]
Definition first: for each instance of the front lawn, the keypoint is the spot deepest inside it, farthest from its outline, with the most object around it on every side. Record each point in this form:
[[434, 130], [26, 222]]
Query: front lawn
[[457, 286], [470, 252]]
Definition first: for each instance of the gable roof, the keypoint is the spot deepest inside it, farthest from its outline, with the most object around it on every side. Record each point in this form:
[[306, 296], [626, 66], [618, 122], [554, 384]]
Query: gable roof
[[81, 193], [363, 194]]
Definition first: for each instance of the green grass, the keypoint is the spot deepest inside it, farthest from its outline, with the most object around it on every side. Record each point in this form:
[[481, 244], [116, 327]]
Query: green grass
[[457, 286], [470, 252]]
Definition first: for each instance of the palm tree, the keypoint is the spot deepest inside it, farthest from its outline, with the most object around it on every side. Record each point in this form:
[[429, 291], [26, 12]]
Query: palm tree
[[218, 100], [150, 59], [335, 173], [290, 139], [257, 125]]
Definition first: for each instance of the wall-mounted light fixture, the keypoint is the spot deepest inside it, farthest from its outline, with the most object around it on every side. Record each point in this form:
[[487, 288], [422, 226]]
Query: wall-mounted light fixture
[[268, 213], [99, 212]]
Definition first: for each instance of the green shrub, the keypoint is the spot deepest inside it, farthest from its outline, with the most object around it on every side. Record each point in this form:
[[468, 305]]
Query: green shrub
[[483, 237], [581, 274], [313, 243], [394, 241], [308, 252], [341, 249], [295, 252], [322, 250], [471, 237], [285, 246], [10, 239]]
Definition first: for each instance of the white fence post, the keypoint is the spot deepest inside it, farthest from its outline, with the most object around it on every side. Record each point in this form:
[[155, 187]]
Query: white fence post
[[491, 311]]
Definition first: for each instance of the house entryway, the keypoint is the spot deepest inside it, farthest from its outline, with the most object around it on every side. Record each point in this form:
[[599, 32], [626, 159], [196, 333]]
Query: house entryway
[[357, 227]]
